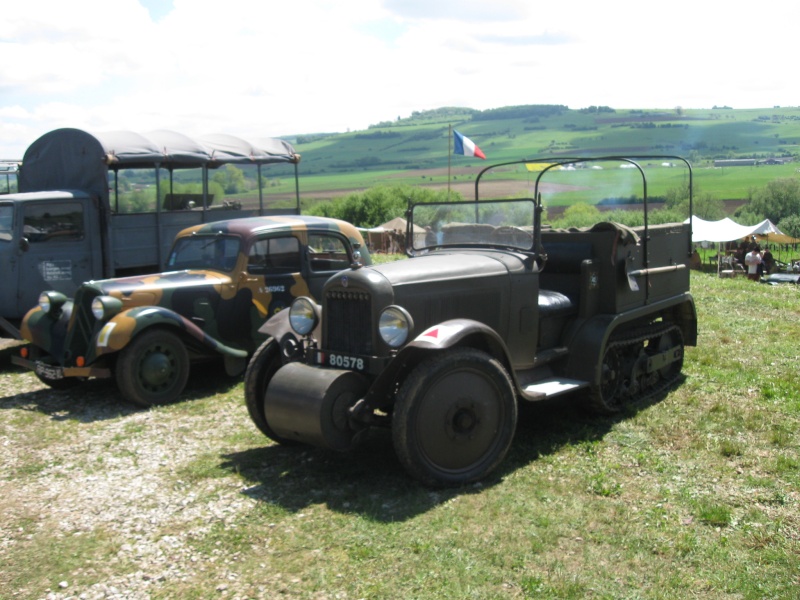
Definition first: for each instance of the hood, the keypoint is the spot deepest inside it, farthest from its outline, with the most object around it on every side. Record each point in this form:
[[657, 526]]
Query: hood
[[449, 266], [153, 290], [441, 285]]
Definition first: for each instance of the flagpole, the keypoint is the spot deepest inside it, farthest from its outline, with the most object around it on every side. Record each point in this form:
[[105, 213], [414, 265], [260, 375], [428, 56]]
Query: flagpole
[[449, 155]]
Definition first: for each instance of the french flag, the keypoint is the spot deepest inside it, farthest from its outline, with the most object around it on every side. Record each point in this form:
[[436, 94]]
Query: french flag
[[463, 145]]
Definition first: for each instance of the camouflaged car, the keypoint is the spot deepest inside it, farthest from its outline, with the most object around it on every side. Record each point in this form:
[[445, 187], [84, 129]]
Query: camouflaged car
[[226, 278]]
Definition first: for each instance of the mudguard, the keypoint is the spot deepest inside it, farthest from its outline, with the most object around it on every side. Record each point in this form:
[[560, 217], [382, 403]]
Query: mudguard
[[45, 331], [453, 332], [122, 328], [445, 335]]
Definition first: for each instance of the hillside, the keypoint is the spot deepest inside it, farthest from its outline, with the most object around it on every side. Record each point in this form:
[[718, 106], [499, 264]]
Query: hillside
[[415, 149]]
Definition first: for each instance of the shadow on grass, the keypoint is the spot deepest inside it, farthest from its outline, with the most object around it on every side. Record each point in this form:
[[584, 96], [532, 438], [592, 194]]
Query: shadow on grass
[[100, 399], [370, 481]]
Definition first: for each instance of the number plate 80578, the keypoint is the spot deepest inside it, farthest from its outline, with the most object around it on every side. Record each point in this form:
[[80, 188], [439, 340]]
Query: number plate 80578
[[341, 361]]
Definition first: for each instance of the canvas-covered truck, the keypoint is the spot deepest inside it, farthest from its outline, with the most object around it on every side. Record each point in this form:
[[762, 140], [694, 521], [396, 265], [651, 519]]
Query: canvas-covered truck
[[224, 279], [100, 205], [490, 309]]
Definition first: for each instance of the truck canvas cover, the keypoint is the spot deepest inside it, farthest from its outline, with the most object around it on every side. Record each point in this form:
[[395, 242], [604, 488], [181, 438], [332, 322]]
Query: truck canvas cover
[[76, 159]]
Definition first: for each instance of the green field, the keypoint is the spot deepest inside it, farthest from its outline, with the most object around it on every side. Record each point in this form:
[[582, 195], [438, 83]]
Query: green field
[[415, 150], [694, 494]]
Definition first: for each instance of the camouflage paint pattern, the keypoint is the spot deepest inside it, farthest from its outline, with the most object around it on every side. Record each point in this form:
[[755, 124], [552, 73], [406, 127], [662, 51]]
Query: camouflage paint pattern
[[216, 312]]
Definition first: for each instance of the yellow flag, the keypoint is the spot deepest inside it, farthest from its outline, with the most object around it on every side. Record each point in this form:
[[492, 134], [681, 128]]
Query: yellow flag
[[537, 166]]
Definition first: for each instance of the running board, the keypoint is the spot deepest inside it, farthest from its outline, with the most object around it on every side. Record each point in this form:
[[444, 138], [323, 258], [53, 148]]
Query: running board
[[548, 388]]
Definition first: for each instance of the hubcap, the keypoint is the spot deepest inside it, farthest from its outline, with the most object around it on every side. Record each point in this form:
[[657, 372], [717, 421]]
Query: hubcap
[[459, 420], [463, 422], [156, 369]]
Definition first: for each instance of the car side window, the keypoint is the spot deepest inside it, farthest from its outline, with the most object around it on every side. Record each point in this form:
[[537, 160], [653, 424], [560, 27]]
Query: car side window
[[327, 252], [274, 255], [53, 222]]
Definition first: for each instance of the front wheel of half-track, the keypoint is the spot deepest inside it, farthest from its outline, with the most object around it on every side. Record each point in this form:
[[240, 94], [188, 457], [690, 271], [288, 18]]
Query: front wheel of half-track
[[454, 418]]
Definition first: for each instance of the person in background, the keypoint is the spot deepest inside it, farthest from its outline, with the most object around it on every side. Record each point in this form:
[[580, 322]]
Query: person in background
[[768, 261], [752, 261]]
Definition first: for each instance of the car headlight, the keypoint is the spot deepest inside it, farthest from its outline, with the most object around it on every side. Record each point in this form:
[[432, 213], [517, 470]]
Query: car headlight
[[303, 316], [105, 307], [395, 326], [51, 302]]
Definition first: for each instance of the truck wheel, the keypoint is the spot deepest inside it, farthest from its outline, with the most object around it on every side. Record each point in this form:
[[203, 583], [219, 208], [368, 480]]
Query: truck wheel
[[454, 418], [265, 363], [153, 368]]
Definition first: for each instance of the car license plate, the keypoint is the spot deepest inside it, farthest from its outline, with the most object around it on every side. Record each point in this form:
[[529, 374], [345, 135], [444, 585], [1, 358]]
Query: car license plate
[[342, 361], [49, 371]]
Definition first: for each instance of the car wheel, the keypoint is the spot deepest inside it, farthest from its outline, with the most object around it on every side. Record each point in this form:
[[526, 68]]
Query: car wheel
[[153, 368], [454, 418]]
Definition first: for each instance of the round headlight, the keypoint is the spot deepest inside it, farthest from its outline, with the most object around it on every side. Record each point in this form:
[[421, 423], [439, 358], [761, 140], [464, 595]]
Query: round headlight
[[395, 325], [105, 307], [51, 302], [303, 316]]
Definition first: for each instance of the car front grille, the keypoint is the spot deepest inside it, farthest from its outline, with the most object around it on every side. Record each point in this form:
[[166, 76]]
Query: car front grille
[[348, 322], [82, 324]]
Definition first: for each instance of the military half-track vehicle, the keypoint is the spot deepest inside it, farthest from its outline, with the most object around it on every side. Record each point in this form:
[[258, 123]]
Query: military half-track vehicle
[[225, 279], [491, 309]]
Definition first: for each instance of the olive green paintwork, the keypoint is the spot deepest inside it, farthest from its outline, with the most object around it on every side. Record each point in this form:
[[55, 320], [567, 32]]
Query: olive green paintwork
[[217, 311]]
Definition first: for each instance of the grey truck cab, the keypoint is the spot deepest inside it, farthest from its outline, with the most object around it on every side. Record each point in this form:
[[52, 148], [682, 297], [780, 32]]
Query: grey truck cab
[[490, 309]]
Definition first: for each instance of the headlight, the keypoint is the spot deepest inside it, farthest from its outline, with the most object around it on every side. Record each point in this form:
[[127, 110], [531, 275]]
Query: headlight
[[395, 326], [303, 316], [105, 307], [51, 302]]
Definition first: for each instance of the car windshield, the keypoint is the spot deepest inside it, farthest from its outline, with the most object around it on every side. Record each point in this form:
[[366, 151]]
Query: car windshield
[[503, 223], [218, 252], [6, 221]]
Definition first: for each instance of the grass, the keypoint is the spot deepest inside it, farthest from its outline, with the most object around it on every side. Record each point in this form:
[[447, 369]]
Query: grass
[[695, 494]]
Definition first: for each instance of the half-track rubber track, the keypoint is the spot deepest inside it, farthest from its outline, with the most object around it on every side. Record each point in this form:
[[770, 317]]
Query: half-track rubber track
[[638, 364]]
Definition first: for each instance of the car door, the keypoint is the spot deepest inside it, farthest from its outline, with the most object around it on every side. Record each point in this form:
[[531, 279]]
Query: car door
[[55, 250], [274, 273]]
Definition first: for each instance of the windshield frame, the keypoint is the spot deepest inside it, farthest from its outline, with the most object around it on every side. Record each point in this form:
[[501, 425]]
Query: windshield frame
[[507, 224]]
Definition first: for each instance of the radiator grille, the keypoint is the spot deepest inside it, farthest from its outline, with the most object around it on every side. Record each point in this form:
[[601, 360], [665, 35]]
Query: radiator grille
[[349, 322], [82, 323]]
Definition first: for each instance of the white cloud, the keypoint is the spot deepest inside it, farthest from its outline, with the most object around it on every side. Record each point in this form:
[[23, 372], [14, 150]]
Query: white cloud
[[267, 69]]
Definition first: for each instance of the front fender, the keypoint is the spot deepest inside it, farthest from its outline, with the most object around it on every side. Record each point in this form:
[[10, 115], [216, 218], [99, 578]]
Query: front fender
[[455, 332], [123, 327], [445, 335], [45, 331]]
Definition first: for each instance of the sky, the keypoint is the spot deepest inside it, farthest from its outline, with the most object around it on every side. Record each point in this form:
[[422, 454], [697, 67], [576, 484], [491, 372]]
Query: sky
[[259, 68]]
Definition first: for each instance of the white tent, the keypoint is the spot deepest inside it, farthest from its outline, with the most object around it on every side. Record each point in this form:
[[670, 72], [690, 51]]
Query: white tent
[[726, 230]]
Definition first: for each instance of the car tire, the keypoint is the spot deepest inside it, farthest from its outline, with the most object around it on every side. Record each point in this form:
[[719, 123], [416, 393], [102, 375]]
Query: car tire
[[454, 418], [153, 368]]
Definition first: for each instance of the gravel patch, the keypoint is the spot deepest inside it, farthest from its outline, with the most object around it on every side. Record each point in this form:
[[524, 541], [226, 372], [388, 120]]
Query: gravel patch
[[83, 464]]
